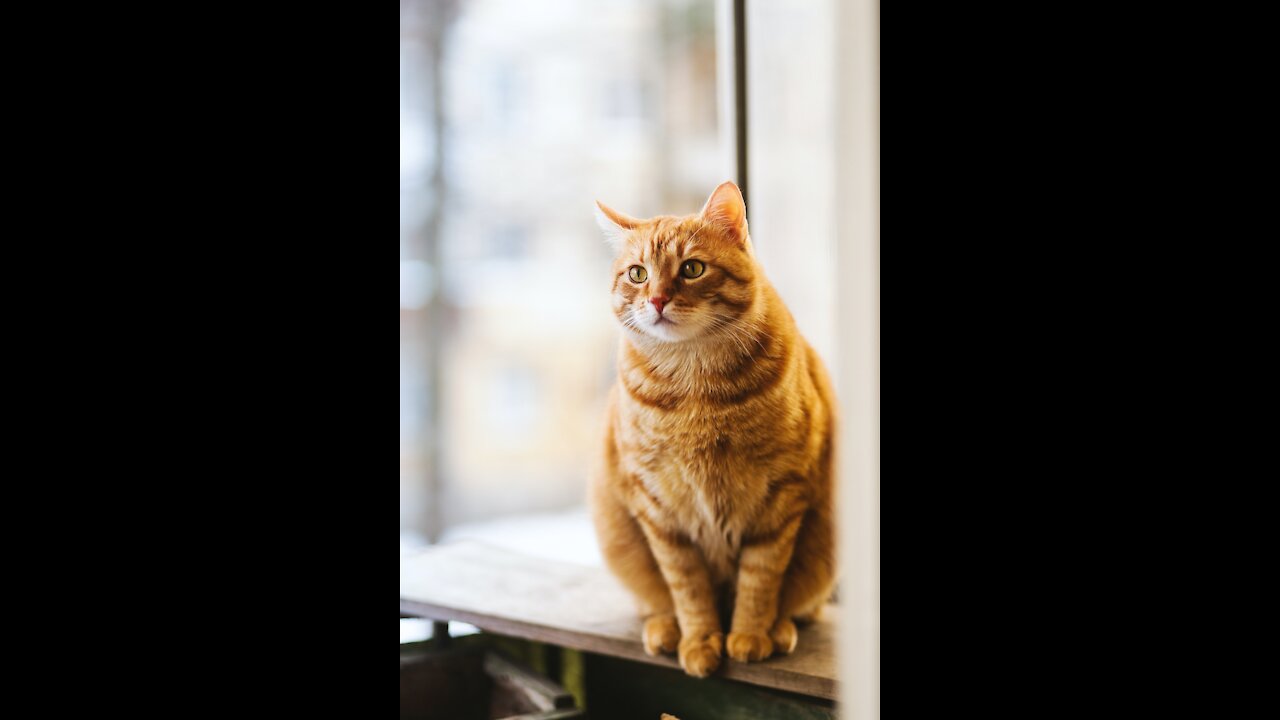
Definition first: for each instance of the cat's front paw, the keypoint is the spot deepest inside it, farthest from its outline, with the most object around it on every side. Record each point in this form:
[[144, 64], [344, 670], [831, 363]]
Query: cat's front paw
[[749, 647], [700, 653], [784, 636], [661, 634]]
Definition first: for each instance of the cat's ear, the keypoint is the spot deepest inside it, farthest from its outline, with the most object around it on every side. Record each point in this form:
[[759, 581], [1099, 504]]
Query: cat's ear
[[616, 225], [726, 209]]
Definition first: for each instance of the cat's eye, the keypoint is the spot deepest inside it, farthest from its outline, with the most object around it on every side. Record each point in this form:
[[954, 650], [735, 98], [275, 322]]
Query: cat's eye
[[638, 274], [692, 268]]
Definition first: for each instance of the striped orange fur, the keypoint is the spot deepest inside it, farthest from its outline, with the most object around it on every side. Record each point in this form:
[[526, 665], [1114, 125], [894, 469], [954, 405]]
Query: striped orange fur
[[715, 486]]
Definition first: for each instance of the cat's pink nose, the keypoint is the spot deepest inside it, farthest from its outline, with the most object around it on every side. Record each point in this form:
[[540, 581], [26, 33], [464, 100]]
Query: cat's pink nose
[[658, 302]]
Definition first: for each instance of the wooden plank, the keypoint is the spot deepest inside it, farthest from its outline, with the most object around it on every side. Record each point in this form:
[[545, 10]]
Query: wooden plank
[[579, 607], [537, 690]]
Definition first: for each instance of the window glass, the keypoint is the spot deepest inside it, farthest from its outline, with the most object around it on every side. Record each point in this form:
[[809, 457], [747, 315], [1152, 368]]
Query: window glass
[[790, 141], [514, 118]]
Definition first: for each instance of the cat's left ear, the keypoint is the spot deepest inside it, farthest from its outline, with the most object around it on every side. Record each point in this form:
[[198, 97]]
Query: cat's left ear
[[726, 209], [616, 226]]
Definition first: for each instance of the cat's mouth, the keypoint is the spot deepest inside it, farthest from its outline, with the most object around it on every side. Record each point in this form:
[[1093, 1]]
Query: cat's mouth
[[662, 320]]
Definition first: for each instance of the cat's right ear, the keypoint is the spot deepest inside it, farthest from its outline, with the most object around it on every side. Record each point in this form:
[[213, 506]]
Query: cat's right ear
[[616, 225], [725, 208]]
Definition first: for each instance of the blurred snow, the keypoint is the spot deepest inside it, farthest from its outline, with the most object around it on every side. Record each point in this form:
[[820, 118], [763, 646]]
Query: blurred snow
[[418, 630], [411, 542], [566, 536]]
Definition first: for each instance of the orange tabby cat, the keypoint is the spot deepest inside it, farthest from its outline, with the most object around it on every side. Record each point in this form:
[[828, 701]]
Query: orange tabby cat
[[715, 484]]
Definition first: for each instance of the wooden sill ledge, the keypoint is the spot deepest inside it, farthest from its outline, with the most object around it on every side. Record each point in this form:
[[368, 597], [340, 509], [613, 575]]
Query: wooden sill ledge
[[579, 607]]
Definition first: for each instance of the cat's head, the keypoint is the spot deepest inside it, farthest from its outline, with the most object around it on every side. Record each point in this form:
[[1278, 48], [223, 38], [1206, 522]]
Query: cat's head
[[683, 278]]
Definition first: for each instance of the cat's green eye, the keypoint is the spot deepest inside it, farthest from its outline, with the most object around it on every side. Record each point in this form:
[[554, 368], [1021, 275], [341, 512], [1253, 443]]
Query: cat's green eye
[[692, 268], [638, 274]]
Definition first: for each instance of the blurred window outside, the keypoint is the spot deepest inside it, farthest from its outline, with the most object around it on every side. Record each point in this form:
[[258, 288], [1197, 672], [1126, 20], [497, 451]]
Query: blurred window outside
[[514, 118]]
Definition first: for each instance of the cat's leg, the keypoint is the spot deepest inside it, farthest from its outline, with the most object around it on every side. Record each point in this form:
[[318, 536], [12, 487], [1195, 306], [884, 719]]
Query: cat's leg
[[686, 573], [626, 552], [809, 580], [762, 563]]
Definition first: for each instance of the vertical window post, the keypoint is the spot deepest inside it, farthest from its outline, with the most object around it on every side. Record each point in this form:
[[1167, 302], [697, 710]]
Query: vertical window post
[[731, 86], [740, 91]]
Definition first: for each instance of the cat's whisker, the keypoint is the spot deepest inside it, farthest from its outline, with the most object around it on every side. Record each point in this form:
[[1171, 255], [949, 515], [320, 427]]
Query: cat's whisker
[[738, 325], [732, 335], [724, 327]]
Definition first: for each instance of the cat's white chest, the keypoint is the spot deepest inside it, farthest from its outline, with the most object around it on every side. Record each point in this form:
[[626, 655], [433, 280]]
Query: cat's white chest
[[717, 531], [720, 550]]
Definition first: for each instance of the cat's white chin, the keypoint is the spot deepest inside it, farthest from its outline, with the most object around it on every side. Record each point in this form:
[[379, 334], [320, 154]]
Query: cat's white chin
[[665, 332], [664, 329]]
